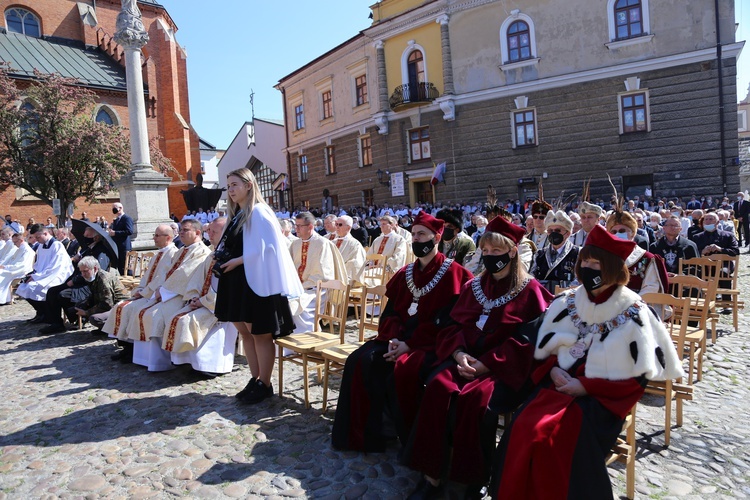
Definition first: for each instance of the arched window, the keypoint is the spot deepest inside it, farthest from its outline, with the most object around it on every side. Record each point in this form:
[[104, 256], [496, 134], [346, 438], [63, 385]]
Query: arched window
[[415, 65], [104, 117], [628, 19], [628, 23], [519, 42], [22, 21]]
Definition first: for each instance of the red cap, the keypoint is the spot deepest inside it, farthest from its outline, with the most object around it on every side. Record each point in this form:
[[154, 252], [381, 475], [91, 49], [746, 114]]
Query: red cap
[[502, 226], [600, 238], [430, 222]]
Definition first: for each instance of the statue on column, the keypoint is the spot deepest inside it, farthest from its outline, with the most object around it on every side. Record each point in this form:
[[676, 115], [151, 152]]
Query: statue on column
[[200, 197], [129, 25]]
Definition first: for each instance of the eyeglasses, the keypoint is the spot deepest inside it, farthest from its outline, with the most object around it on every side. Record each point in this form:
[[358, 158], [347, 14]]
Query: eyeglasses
[[338, 224], [538, 217], [556, 230]]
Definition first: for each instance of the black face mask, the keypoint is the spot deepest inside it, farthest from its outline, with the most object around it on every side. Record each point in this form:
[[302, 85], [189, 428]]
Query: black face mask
[[422, 249], [555, 238], [495, 263], [591, 279], [114, 211], [448, 234]]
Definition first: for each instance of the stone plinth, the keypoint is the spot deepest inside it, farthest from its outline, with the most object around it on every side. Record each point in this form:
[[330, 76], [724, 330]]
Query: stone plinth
[[143, 194]]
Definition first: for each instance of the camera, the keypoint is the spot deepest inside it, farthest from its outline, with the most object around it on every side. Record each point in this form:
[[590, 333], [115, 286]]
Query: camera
[[222, 257]]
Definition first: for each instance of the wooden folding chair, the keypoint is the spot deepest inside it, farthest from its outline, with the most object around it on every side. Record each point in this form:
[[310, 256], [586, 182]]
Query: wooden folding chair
[[143, 261], [131, 263], [375, 274], [677, 327], [701, 267], [702, 296], [728, 271], [373, 301], [624, 452], [306, 347]]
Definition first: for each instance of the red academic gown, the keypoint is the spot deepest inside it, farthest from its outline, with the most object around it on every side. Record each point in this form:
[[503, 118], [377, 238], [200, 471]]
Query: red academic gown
[[556, 445], [508, 355], [368, 386], [638, 272]]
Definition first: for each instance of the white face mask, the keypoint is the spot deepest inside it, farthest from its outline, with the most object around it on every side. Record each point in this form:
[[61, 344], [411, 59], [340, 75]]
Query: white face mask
[[93, 277], [623, 235]]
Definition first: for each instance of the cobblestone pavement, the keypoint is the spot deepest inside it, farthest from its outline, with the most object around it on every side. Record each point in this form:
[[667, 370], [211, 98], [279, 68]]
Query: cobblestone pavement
[[77, 425]]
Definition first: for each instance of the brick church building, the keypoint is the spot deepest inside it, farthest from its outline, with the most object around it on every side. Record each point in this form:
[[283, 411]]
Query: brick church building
[[75, 39]]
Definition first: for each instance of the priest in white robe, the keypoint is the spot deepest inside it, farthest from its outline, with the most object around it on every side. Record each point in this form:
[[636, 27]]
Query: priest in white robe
[[151, 280], [20, 263], [194, 335], [7, 248], [52, 267], [351, 250], [390, 244], [150, 322], [315, 258]]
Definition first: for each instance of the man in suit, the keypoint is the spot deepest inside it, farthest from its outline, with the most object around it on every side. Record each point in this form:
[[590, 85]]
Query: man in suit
[[120, 231], [742, 213]]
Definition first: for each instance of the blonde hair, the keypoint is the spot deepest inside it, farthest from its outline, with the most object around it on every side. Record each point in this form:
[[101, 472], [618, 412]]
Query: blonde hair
[[517, 272], [254, 196]]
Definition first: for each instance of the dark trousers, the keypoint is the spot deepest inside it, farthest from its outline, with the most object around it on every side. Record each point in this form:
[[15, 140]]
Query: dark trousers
[[743, 231], [55, 305]]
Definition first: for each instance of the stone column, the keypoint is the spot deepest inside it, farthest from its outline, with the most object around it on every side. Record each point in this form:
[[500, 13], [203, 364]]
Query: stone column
[[381, 117], [445, 43], [143, 191]]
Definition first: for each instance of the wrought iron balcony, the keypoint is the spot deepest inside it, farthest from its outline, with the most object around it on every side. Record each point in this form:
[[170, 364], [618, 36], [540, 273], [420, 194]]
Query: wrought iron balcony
[[413, 94]]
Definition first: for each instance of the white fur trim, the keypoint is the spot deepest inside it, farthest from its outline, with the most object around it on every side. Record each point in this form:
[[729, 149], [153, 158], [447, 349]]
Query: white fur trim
[[610, 359]]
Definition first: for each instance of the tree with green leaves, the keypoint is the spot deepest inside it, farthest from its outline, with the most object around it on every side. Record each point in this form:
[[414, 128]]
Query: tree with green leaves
[[52, 146]]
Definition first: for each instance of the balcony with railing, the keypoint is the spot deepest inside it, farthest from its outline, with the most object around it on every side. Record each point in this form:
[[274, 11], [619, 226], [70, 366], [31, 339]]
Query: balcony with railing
[[411, 95]]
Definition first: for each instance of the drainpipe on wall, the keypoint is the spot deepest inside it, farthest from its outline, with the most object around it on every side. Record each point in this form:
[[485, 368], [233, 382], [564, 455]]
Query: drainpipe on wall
[[721, 99]]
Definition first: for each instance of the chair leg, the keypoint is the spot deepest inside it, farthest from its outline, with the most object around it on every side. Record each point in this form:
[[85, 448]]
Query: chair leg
[[735, 314], [667, 412], [691, 358], [630, 466], [281, 370], [678, 410], [699, 362], [305, 381], [326, 373]]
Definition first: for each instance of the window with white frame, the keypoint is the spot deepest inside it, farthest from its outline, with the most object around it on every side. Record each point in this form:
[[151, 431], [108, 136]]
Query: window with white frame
[[634, 112], [517, 41], [297, 108], [524, 128], [419, 144], [302, 163], [22, 21], [324, 88], [742, 120], [360, 89], [330, 158], [628, 22], [365, 151]]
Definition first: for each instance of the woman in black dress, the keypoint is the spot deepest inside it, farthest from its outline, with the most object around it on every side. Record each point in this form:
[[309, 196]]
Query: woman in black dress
[[256, 277]]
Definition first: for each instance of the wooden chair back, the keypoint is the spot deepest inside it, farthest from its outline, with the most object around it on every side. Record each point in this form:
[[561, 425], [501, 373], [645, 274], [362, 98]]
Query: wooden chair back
[[332, 309], [729, 269], [375, 269], [373, 304], [702, 295], [702, 267], [131, 263], [144, 261], [677, 323]]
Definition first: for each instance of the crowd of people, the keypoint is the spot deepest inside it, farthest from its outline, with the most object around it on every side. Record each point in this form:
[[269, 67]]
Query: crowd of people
[[472, 328]]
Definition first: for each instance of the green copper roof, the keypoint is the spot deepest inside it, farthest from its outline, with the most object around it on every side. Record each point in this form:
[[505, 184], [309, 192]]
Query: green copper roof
[[91, 66]]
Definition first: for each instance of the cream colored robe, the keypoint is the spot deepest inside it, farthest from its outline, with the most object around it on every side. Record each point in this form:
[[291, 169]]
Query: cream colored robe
[[394, 250], [20, 263], [187, 329], [354, 257], [150, 321], [122, 314]]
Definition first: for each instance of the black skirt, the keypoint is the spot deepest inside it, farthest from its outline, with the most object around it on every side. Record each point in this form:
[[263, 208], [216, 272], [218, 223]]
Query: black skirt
[[236, 302]]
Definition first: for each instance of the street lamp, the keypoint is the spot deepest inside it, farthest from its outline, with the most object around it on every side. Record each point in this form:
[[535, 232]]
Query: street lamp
[[384, 175]]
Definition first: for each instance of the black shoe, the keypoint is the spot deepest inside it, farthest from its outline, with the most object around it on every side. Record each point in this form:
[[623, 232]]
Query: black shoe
[[97, 333], [258, 393], [248, 388], [36, 319], [124, 356], [53, 328], [424, 491]]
